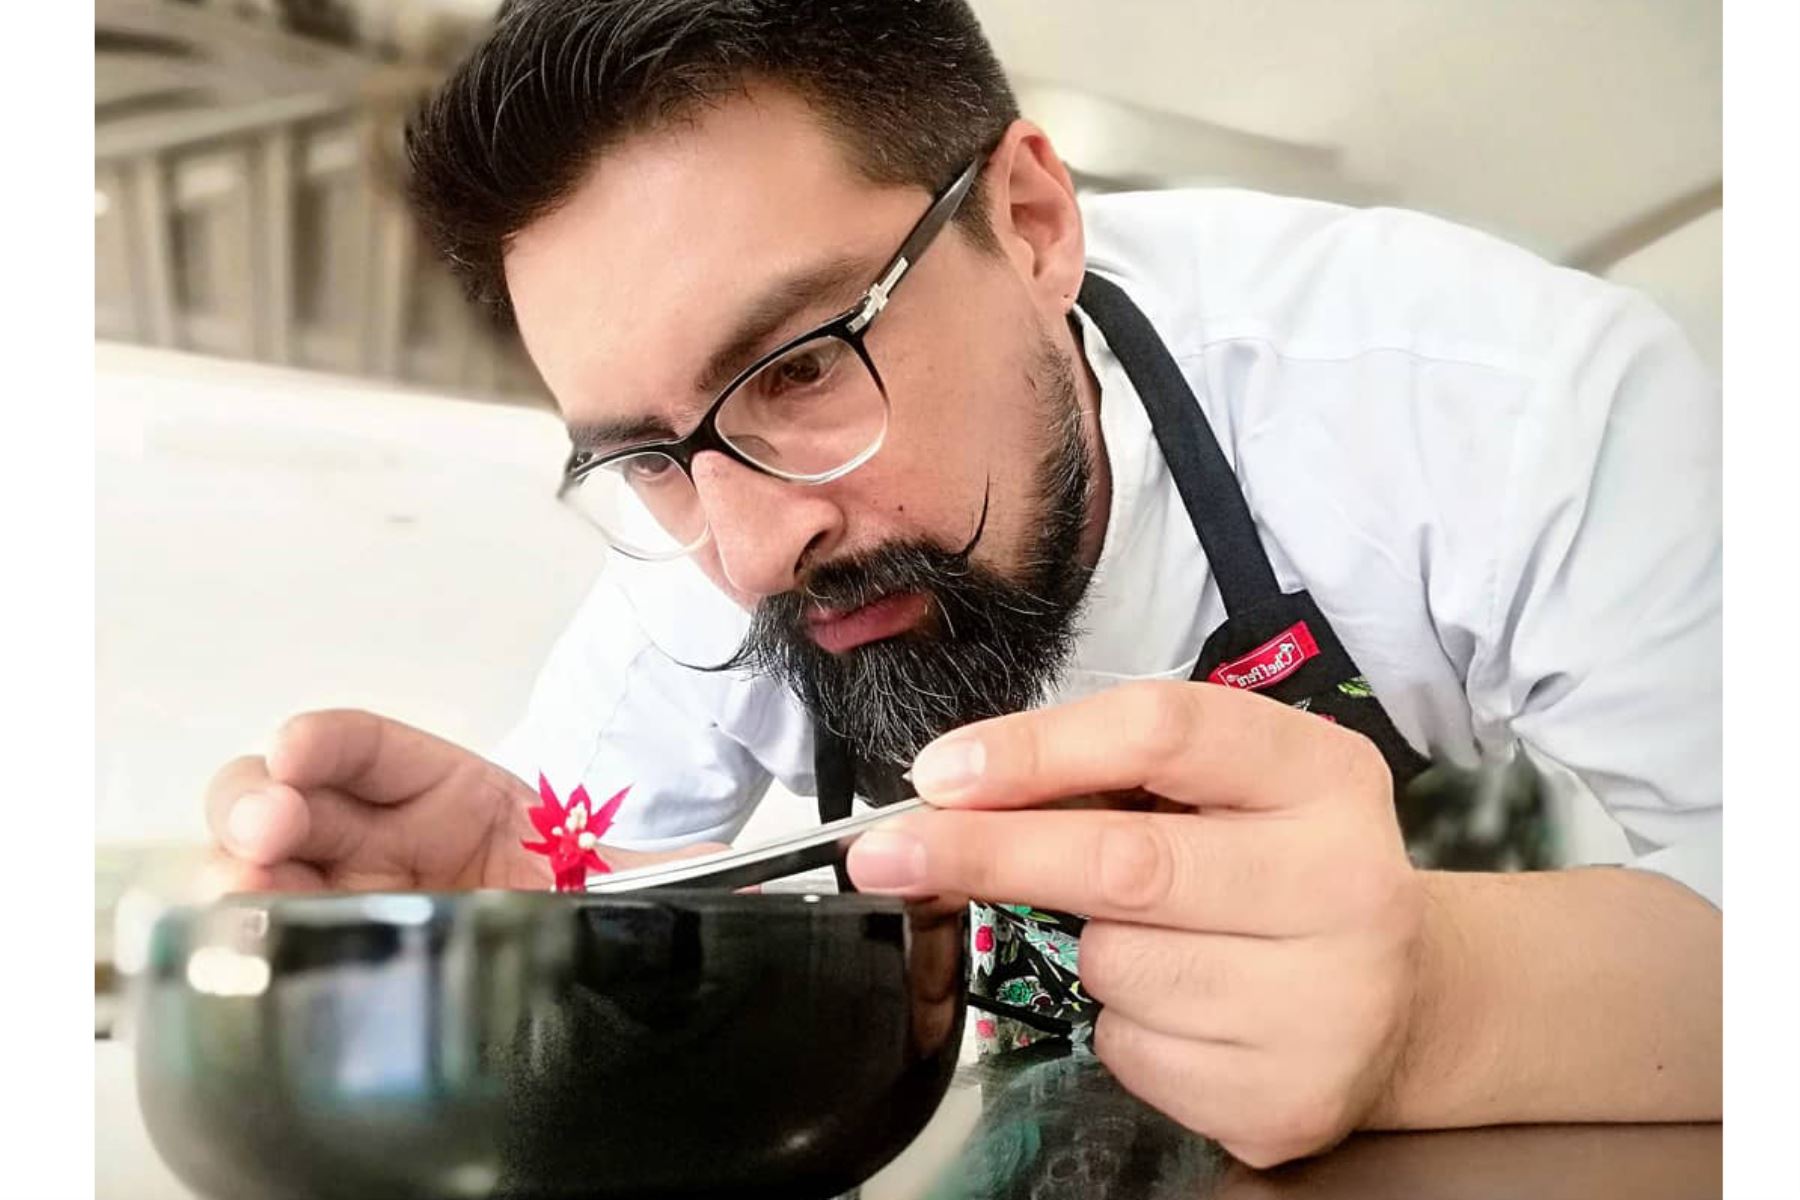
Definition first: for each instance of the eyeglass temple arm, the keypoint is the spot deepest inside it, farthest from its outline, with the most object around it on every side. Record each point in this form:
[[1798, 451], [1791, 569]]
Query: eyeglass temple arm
[[929, 226], [568, 472]]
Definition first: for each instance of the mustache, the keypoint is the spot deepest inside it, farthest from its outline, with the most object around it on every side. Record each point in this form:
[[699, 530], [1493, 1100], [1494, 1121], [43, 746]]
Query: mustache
[[854, 581], [999, 636], [851, 582]]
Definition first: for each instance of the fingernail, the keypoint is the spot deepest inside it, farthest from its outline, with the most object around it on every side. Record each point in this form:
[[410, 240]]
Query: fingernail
[[881, 859], [248, 822], [949, 765]]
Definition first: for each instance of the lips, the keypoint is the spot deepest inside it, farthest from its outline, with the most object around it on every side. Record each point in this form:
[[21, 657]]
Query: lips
[[838, 630]]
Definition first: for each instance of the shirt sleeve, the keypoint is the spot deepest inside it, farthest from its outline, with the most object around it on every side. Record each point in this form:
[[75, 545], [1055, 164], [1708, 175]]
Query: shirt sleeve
[[611, 709], [1602, 646]]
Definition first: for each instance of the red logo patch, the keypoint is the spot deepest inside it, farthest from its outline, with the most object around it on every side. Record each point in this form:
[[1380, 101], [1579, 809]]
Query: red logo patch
[[1270, 662]]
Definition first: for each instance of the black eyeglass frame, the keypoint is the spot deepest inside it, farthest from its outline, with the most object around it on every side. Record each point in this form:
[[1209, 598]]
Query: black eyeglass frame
[[850, 326]]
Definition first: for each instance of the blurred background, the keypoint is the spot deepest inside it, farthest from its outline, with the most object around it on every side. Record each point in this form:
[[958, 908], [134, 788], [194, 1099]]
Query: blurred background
[[323, 480]]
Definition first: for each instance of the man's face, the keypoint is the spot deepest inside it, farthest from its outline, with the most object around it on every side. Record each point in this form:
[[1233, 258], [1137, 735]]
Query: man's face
[[627, 293]]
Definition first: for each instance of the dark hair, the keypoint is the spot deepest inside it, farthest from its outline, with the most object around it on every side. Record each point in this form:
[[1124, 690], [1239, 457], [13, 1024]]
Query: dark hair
[[909, 88]]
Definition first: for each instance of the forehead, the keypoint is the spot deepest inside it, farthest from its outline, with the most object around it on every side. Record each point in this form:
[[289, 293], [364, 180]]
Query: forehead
[[624, 290]]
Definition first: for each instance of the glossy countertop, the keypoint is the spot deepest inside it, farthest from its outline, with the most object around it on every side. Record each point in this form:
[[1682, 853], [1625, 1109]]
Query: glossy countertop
[[1048, 1122]]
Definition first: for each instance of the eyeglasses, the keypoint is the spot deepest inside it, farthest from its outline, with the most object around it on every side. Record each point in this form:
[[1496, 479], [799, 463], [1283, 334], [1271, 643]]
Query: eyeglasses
[[809, 411]]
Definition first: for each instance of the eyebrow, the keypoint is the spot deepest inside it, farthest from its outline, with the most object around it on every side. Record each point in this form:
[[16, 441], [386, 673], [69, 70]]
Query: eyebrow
[[598, 437], [773, 309], [778, 304]]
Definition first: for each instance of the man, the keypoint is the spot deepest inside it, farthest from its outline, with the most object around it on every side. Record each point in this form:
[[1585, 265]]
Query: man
[[1163, 537]]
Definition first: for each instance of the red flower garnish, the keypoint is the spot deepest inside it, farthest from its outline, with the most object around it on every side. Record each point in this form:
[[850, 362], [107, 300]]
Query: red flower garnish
[[571, 835]]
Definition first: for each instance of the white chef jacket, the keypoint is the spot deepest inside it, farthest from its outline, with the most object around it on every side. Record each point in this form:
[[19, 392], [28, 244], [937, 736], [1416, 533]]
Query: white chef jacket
[[1499, 479]]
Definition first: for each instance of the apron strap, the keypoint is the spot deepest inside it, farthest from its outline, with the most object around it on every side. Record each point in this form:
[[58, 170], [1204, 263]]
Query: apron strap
[[1208, 487]]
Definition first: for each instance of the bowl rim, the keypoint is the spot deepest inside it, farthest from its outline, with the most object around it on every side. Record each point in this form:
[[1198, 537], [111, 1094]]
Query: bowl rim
[[398, 908]]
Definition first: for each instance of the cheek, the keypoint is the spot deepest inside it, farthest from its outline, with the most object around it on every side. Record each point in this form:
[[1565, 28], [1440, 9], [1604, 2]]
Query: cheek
[[899, 501], [707, 559], [952, 432], [970, 435], [924, 483], [964, 418]]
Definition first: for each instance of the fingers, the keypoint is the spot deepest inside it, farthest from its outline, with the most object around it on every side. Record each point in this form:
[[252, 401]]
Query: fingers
[[1263, 1109], [305, 800], [266, 825], [378, 760], [234, 780], [1199, 744], [227, 876], [254, 818], [1206, 986], [1181, 870], [327, 776], [263, 822]]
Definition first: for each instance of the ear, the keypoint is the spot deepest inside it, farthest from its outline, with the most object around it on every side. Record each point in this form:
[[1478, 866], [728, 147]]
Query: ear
[[1031, 206]]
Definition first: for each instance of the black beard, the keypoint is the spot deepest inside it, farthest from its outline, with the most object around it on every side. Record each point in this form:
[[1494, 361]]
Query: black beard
[[990, 646]]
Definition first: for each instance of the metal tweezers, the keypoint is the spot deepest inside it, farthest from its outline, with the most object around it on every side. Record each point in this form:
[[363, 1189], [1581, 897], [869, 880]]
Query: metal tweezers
[[807, 850]]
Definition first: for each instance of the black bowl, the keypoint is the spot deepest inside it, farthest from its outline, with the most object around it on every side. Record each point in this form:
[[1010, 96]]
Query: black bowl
[[515, 1044]]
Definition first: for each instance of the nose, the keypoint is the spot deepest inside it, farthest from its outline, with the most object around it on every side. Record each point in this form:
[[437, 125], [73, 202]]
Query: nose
[[763, 528]]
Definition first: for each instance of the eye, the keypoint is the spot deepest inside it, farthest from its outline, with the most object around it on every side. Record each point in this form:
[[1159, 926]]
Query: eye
[[802, 369], [646, 468], [805, 367]]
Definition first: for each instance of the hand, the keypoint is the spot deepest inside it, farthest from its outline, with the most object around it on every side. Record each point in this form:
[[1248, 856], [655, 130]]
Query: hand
[[1255, 952], [352, 801]]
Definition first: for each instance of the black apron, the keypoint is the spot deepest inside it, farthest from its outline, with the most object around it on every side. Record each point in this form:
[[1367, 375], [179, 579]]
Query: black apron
[[1273, 642]]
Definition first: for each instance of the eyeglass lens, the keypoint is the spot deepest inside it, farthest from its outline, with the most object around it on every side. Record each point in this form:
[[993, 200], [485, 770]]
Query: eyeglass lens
[[805, 415]]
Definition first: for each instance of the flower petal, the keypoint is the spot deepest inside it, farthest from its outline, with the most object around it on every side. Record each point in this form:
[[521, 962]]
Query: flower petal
[[604, 818], [548, 815]]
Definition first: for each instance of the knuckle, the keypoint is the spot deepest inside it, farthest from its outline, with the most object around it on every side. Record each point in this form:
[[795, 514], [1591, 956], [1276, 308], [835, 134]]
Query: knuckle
[[1133, 865], [1201, 979], [1013, 746], [1121, 961], [1156, 719], [1364, 771], [294, 736], [321, 735], [306, 724]]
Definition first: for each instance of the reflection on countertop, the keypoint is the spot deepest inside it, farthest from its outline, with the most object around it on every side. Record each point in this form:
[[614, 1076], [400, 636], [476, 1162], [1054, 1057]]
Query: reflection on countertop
[[1049, 1122], [1054, 1123]]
